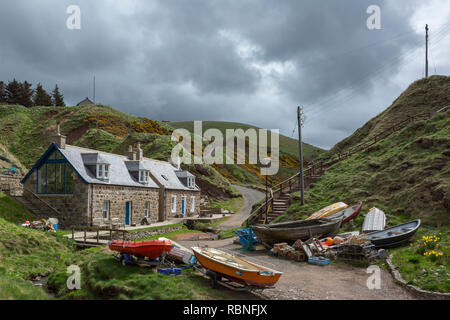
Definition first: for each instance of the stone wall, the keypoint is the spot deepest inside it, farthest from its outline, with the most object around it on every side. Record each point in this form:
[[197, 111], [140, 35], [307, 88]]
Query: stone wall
[[180, 193], [72, 208], [118, 196], [11, 185], [132, 236]]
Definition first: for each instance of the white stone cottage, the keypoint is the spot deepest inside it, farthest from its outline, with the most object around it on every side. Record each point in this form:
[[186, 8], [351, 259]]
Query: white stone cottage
[[86, 186]]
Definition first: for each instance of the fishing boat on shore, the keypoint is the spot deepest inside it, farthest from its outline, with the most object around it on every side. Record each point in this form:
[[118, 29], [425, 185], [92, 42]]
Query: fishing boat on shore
[[394, 236], [220, 264], [149, 248], [347, 214], [324, 212], [292, 231]]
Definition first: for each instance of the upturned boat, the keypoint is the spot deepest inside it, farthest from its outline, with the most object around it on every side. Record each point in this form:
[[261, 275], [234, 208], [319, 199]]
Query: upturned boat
[[235, 269], [347, 214], [324, 212], [394, 236], [375, 220], [148, 248], [296, 230]]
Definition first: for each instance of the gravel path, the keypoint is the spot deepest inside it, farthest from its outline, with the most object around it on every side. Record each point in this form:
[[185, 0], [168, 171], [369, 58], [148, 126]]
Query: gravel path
[[251, 196], [303, 281]]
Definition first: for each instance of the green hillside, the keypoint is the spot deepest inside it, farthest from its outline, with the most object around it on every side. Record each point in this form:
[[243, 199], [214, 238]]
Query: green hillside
[[424, 95], [407, 175], [288, 145], [26, 134]]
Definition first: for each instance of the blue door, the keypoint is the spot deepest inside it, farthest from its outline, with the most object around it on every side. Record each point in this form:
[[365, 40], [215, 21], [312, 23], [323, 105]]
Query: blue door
[[183, 201], [127, 213]]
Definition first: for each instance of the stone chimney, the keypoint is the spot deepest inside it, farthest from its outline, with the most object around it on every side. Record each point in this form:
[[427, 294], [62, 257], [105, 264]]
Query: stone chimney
[[131, 154], [59, 139], [138, 151]]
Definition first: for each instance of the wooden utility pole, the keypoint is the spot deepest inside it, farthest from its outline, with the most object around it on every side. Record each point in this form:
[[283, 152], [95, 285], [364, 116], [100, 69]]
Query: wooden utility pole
[[300, 149], [426, 51], [94, 89]]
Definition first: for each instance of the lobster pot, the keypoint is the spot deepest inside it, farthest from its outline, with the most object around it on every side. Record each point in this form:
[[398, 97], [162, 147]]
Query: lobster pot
[[375, 220]]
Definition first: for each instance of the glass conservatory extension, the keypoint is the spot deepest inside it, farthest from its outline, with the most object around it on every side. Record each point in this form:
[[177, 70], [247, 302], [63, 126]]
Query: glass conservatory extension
[[55, 176]]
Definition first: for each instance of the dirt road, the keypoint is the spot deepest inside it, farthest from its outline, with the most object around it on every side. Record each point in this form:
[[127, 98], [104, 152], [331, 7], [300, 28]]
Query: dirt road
[[251, 196], [303, 281]]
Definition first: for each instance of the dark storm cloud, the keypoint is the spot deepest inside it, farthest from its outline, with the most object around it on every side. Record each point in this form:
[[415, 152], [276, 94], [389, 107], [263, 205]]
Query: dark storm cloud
[[249, 61]]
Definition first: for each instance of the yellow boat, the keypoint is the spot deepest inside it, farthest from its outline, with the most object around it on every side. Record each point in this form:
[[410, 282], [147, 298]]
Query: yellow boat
[[324, 212], [235, 269]]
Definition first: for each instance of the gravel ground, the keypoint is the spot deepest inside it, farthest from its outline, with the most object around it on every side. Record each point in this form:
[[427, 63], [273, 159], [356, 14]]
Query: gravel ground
[[303, 281]]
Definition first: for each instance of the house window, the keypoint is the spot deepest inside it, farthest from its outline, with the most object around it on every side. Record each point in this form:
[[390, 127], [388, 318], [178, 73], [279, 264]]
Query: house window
[[102, 171], [143, 176], [174, 204], [55, 176], [190, 182], [192, 204], [105, 210], [147, 209]]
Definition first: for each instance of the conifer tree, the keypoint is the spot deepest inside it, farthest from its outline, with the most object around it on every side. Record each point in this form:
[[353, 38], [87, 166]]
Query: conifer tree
[[25, 94], [57, 97], [41, 97], [13, 92], [3, 99]]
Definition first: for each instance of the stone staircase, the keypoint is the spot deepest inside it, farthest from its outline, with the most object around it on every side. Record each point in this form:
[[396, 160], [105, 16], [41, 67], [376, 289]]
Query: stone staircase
[[278, 207], [39, 207]]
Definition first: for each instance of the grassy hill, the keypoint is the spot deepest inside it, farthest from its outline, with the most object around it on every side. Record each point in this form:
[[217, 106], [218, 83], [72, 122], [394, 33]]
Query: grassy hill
[[250, 173], [288, 145], [424, 95], [26, 134], [407, 174]]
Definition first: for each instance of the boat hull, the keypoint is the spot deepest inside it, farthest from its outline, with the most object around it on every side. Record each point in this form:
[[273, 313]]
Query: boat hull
[[375, 220], [257, 276], [348, 213], [301, 230], [324, 212], [150, 248], [394, 236]]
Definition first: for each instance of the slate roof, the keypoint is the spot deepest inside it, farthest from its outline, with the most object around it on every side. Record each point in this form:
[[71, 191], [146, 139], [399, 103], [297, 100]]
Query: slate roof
[[85, 102], [120, 168], [118, 171]]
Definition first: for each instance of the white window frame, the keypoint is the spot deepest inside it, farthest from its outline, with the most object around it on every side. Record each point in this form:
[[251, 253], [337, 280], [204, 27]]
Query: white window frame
[[102, 171], [174, 204], [143, 176], [192, 204], [105, 210], [190, 182], [147, 209]]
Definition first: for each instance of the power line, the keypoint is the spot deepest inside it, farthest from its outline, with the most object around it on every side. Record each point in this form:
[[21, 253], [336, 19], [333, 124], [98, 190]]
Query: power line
[[441, 34]]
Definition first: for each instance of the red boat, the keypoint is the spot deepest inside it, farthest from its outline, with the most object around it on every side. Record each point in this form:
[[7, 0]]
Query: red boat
[[347, 214], [148, 248]]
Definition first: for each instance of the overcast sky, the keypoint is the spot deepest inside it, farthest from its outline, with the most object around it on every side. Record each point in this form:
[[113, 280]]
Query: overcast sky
[[250, 61]]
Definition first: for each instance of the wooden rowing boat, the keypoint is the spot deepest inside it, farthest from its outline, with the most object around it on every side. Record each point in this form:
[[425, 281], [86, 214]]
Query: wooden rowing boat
[[235, 269], [324, 212], [394, 236], [296, 230], [347, 214], [148, 248]]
